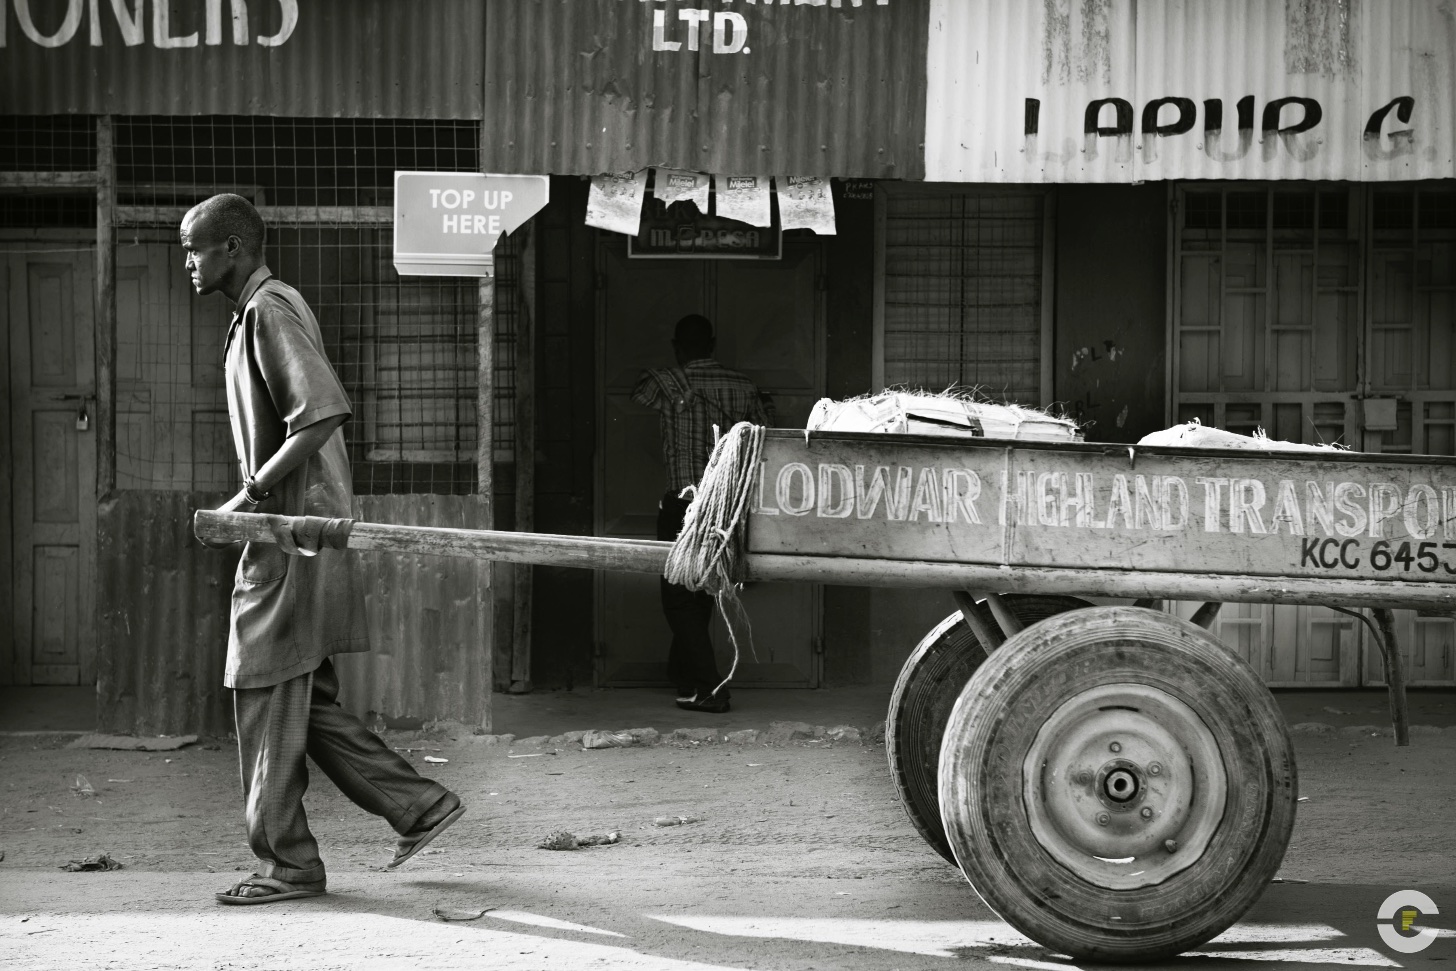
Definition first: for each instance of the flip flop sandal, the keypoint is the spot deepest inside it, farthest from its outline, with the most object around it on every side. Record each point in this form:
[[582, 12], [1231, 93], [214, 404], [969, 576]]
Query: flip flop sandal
[[281, 891], [409, 848]]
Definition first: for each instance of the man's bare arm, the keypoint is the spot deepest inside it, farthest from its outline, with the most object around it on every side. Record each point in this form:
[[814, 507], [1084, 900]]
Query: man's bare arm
[[295, 450]]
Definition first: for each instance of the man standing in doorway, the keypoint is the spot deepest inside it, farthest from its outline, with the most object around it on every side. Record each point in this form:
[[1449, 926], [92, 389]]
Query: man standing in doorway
[[689, 400], [290, 614]]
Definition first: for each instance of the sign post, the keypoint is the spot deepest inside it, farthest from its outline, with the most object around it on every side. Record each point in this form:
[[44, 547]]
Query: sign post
[[447, 223]]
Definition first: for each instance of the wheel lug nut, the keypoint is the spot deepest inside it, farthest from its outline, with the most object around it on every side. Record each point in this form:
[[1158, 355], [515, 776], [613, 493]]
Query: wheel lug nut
[[1170, 845], [1115, 747], [1083, 778], [1155, 768], [1147, 812], [1103, 819]]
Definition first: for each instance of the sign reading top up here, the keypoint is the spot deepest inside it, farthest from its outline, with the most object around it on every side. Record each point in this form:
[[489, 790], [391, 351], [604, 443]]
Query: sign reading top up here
[[447, 223]]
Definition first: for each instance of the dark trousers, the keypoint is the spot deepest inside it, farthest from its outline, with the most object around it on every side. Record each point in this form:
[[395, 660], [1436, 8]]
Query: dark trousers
[[690, 661], [281, 724]]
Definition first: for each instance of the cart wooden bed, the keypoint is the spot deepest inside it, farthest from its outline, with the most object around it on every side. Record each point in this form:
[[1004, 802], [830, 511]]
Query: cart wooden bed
[[1113, 781]]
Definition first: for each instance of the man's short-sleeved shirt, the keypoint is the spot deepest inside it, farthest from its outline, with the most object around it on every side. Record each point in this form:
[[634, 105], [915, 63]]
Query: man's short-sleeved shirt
[[689, 401], [289, 612]]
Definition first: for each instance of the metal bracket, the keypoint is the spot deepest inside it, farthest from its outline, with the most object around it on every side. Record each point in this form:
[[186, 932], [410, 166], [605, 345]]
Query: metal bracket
[[1207, 614], [1394, 666]]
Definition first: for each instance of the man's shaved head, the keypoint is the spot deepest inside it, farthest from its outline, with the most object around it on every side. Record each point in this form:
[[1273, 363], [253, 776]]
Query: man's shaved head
[[227, 215], [223, 240]]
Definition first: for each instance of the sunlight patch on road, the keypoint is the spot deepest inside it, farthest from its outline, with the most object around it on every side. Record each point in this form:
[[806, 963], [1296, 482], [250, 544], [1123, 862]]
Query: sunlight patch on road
[[1346, 956], [934, 938], [308, 936], [536, 920], [963, 938], [1277, 934], [1030, 963]]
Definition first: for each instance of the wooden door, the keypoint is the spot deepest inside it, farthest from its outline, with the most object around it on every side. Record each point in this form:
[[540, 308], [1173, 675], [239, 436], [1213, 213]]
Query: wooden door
[[52, 515], [1409, 390], [1321, 313], [768, 318], [1266, 324]]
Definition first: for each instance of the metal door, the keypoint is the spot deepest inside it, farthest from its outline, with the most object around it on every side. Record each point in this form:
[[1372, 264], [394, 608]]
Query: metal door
[[48, 297], [768, 316]]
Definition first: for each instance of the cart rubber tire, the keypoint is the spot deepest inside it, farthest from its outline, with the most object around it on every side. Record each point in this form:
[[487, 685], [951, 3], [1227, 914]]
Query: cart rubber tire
[[1042, 711], [930, 682]]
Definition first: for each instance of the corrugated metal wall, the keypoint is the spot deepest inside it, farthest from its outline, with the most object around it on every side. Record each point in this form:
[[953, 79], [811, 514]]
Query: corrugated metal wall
[[575, 87], [428, 620], [164, 604], [1190, 90], [342, 58], [162, 609]]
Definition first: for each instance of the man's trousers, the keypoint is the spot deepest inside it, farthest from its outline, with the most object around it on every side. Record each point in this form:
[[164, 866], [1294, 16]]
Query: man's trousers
[[690, 661], [277, 727]]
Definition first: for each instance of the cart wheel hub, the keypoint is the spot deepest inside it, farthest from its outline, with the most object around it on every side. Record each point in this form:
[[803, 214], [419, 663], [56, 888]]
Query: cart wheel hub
[[1110, 820], [1121, 785]]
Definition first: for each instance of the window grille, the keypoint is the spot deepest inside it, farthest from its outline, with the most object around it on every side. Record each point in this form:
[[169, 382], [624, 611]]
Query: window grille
[[404, 347], [962, 294]]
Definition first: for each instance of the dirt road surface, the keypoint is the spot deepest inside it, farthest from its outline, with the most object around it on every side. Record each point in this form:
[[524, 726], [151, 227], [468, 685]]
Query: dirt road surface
[[797, 857]]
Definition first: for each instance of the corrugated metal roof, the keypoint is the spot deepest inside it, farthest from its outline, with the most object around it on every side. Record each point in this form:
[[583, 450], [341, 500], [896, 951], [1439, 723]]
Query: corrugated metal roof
[[341, 58], [576, 87], [1328, 67]]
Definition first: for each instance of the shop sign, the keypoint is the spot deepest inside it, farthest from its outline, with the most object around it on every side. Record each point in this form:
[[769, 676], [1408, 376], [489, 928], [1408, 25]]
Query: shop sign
[[320, 58], [1119, 91], [447, 223], [679, 231], [828, 88]]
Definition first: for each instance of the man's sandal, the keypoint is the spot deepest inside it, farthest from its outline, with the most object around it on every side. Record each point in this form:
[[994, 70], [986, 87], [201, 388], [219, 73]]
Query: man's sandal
[[278, 890], [410, 845]]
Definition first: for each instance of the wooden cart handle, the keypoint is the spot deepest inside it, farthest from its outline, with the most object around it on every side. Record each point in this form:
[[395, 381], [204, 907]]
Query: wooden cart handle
[[542, 549]]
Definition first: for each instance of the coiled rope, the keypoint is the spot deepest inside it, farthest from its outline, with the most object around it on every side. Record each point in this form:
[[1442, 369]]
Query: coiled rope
[[708, 553]]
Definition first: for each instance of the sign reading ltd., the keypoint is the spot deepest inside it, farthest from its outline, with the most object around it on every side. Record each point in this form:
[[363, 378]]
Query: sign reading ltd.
[[447, 223]]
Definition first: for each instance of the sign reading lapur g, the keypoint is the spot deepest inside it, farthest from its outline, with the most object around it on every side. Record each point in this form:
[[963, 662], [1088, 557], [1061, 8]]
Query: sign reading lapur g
[[447, 223]]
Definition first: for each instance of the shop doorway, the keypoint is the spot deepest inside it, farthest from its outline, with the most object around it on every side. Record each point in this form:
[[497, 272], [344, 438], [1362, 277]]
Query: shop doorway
[[1321, 313], [769, 319], [48, 537]]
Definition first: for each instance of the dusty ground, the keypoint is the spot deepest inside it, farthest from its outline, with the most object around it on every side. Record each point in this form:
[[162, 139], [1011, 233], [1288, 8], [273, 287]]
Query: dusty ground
[[801, 858]]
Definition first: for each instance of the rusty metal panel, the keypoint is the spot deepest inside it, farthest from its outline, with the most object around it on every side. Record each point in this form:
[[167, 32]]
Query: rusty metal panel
[[429, 621], [1120, 91], [320, 58], [593, 86], [163, 602]]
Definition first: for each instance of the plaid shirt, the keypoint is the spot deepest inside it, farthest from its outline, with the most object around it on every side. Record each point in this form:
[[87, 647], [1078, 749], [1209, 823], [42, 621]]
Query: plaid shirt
[[689, 401]]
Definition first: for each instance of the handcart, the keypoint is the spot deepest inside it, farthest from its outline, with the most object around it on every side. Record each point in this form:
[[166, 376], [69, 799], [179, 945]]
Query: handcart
[[1113, 781]]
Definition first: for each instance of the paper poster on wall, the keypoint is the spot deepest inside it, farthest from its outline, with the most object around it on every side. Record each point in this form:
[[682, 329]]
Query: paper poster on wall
[[805, 203], [615, 202], [744, 198], [674, 185]]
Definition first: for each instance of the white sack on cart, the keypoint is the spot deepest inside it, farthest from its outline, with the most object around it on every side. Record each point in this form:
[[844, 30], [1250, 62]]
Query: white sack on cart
[[1195, 434], [910, 413]]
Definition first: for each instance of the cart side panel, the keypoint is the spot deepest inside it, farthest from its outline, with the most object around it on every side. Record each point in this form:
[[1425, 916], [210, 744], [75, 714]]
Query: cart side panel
[[1310, 515]]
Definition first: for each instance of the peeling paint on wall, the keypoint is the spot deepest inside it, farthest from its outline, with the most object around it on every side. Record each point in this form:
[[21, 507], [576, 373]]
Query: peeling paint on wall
[[1317, 37], [1076, 42]]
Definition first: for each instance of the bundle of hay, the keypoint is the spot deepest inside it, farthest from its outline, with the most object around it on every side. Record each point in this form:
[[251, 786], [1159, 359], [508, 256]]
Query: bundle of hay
[[951, 414]]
